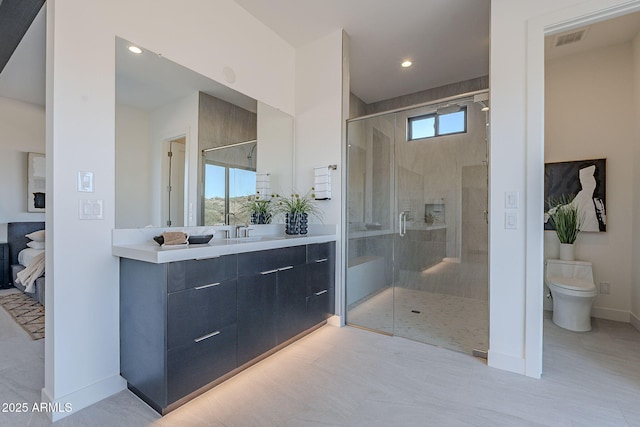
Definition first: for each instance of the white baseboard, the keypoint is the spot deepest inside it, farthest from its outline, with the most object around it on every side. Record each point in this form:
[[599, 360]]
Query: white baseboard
[[635, 321], [82, 398], [611, 314], [506, 362]]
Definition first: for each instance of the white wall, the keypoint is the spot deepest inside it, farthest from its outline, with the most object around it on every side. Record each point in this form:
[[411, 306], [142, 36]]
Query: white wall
[[517, 164], [589, 114], [635, 272], [275, 132], [133, 192], [22, 129], [318, 124], [82, 323]]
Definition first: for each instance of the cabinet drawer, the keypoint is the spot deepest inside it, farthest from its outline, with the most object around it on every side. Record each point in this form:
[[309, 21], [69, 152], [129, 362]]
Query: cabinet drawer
[[321, 251], [195, 365], [320, 307], [252, 263], [197, 311], [192, 273], [320, 277]]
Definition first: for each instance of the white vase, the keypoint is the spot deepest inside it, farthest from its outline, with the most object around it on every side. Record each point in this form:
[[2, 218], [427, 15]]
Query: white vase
[[567, 251]]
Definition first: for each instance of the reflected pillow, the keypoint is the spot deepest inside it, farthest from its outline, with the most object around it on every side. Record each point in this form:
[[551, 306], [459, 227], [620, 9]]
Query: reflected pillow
[[36, 236], [36, 245]]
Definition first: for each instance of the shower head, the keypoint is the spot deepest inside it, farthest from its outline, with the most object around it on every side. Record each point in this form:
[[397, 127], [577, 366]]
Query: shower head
[[484, 106], [448, 109], [251, 151]]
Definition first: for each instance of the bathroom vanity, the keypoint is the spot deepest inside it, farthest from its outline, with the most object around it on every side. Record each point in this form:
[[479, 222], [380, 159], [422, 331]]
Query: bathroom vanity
[[193, 317]]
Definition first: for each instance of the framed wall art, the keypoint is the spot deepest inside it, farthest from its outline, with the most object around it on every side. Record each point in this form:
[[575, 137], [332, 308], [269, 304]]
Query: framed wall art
[[583, 182], [36, 182]]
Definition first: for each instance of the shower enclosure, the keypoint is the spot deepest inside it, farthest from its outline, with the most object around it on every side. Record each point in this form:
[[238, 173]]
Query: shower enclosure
[[417, 263]]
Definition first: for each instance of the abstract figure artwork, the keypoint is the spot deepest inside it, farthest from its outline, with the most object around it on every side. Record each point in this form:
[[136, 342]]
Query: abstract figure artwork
[[582, 182]]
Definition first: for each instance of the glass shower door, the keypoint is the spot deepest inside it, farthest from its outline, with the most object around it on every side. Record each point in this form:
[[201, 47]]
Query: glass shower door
[[440, 250], [371, 223]]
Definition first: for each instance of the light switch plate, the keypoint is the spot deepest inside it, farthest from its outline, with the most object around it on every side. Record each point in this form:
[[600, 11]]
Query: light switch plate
[[90, 209], [85, 182], [511, 220], [512, 199]]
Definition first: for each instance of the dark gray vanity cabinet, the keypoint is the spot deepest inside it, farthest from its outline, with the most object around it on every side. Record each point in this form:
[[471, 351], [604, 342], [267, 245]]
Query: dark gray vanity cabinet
[[185, 324], [320, 282], [268, 283], [178, 326]]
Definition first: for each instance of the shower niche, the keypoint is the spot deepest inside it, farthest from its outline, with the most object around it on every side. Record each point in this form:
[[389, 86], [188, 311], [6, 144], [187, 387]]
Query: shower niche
[[434, 213]]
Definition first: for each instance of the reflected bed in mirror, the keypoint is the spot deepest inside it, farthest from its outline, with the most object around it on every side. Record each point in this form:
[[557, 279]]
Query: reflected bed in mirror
[[163, 107]]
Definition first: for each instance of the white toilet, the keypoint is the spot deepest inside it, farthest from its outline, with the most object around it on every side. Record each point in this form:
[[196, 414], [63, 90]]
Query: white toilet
[[573, 292]]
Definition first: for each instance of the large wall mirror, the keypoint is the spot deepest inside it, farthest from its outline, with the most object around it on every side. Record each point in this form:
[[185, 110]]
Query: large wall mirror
[[187, 147]]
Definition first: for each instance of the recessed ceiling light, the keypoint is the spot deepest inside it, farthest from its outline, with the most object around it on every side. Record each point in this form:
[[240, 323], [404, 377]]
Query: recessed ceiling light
[[135, 49], [406, 63]]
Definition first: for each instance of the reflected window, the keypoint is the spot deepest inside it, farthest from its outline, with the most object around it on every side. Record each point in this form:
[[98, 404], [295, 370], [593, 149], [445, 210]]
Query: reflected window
[[432, 125], [229, 177]]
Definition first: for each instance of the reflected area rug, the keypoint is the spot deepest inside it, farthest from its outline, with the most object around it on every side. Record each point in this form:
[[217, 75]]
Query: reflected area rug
[[26, 311]]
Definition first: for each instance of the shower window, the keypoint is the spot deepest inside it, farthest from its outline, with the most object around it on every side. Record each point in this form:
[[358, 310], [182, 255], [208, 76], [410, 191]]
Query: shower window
[[437, 124]]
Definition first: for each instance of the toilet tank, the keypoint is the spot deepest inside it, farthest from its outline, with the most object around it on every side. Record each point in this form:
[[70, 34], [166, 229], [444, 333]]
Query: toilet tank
[[576, 269]]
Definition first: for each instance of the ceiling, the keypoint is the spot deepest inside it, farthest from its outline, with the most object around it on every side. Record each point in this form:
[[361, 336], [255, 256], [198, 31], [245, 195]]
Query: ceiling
[[24, 75], [447, 40], [147, 81], [599, 35], [16, 17]]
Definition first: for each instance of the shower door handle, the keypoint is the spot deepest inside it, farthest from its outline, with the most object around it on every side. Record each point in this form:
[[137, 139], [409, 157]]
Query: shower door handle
[[402, 223]]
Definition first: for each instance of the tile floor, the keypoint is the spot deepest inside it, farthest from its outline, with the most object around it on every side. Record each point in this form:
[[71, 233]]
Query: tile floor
[[351, 377], [444, 305]]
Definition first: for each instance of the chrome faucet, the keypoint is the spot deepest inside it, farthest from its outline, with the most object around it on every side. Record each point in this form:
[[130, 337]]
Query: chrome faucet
[[235, 218], [243, 230]]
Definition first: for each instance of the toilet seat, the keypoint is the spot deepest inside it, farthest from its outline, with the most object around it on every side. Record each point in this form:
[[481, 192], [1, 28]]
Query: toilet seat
[[572, 283]]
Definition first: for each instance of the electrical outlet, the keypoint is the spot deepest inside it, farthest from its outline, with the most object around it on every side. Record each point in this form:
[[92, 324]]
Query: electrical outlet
[[605, 288]]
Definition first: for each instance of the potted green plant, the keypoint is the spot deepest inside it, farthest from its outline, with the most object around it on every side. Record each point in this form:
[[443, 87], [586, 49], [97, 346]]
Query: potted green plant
[[296, 210], [429, 218], [566, 220], [259, 208]]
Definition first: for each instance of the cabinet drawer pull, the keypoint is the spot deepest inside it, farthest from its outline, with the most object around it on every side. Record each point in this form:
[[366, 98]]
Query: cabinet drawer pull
[[269, 271], [207, 286], [289, 267], [322, 260], [321, 292], [204, 337], [207, 257]]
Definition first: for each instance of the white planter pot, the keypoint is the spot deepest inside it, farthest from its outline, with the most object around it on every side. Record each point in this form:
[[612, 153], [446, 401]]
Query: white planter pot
[[567, 251]]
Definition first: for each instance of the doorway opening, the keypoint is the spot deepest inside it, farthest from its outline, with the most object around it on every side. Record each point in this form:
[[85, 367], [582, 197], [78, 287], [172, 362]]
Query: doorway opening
[[173, 179]]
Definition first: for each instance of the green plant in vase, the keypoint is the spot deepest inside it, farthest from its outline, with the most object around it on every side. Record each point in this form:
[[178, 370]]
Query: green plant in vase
[[567, 220], [259, 208], [296, 210], [429, 218]]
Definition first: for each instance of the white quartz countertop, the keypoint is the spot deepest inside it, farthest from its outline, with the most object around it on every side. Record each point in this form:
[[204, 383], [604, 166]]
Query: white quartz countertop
[[147, 250]]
